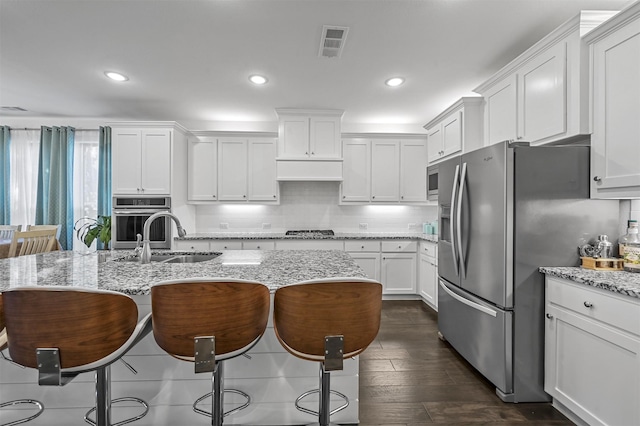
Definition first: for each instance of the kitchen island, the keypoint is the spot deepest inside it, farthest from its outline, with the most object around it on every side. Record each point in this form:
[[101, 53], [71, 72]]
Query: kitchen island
[[273, 377]]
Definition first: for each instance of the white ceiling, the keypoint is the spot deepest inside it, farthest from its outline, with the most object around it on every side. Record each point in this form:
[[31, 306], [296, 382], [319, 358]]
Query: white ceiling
[[189, 61]]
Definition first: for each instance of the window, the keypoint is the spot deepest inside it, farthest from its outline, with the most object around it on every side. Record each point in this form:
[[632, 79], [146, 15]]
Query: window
[[85, 180], [24, 154]]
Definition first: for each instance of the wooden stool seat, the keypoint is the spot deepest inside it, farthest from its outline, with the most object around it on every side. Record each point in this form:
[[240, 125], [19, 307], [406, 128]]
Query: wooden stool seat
[[65, 331], [327, 321], [222, 317]]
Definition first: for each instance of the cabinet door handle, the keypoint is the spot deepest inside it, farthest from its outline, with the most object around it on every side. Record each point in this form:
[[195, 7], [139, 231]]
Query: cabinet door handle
[[225, 247], [549, 316], [402, 197], [374, 197], [313, 153], [258, 247], [306, 153], [274, 196], [213, 196], [588, 304], [244, 196], [362, 247], [597, 179]]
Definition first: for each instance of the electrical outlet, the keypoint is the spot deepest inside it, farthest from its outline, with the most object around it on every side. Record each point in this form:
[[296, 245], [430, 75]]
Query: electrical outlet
[[266, 226], [363, 226], [224, 225], [412, 226]]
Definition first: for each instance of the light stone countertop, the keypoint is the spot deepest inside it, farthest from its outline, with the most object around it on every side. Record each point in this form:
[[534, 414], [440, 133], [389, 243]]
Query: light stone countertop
[[271, 267], [281, 236], [625, 283]]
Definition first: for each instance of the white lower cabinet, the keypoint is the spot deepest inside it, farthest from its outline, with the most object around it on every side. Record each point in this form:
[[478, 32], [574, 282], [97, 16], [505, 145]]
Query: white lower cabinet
[[398, 273], [366, 254], [258, 245], [592, 353], [309, 245], [191, 245], [428, 274]]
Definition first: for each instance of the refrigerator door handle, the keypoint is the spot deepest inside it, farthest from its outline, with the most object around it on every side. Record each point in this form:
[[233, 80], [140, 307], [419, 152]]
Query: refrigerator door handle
[[454, 249], [463, 176], [467, 302]]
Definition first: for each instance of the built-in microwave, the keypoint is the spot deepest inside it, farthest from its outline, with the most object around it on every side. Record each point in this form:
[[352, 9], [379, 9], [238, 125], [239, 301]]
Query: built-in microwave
[[129, 216], [432, 183]]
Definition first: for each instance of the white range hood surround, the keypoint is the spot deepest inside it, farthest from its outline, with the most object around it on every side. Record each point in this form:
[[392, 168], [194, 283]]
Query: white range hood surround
[[306, 170]]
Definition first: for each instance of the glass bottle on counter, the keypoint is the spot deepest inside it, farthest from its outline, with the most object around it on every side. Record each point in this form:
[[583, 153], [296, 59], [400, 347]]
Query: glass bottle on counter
[[630, 248], [630, 237]]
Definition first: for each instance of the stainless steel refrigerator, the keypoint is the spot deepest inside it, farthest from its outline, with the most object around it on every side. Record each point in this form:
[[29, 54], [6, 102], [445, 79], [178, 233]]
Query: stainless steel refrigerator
[[506, 210]]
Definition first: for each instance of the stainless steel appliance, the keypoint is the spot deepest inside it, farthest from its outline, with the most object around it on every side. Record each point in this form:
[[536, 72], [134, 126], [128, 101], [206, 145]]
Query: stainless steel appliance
[[311, 233], [129, 215], [432, 183], [506, 210]]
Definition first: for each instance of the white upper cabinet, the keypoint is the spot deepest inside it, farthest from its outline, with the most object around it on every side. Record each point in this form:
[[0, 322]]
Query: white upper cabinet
[[141, 161], [356, 170], [455, 130], [309, 134], [262, 170], [232, 169], [615, 106], [384, 171], [413, 171], [541, 96], [203, 170], [385, 168], [500, 111]]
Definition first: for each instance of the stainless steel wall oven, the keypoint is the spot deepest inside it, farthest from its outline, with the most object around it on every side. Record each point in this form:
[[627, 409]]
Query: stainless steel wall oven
[[129, 215]]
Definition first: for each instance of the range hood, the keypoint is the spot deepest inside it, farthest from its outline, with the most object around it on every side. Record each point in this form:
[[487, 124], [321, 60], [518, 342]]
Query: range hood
[[306, 170]]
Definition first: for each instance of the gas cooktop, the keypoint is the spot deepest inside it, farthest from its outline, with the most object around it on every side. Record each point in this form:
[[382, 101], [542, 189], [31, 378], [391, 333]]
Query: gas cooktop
[[311, 232]]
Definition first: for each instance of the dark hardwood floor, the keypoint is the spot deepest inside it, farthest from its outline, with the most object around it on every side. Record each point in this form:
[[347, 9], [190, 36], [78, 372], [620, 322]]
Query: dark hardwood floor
[[409, 377]]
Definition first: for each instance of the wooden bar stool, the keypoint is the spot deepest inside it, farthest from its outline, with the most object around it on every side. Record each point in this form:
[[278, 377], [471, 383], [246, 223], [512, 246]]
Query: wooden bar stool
[[37, 404], [327, 321], [65, 331], [207, 321]]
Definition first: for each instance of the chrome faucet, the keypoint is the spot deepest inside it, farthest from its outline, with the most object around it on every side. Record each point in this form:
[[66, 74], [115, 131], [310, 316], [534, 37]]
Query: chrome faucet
[[145, 257]]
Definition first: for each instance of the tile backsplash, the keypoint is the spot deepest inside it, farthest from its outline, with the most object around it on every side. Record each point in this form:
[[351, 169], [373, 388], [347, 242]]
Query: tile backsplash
[[311, 205]]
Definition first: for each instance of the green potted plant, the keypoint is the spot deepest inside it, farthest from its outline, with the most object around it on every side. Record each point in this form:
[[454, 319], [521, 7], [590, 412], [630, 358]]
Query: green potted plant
[[94, 228]]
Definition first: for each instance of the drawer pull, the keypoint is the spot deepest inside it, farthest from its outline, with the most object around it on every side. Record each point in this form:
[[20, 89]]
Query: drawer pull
[[588, 304], [549, 316], [362, 247]]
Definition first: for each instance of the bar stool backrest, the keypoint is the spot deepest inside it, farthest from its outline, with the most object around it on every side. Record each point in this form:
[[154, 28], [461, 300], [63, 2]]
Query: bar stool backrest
[[86, 325], [234, 311], [305, 313]]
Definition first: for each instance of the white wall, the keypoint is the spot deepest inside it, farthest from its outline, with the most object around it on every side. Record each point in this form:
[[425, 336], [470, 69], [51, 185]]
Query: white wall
[[311, 205]]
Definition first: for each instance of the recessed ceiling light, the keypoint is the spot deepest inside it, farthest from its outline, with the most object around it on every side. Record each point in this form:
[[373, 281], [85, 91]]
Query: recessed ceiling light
[[116, 76], [258, 79], [394, 81]]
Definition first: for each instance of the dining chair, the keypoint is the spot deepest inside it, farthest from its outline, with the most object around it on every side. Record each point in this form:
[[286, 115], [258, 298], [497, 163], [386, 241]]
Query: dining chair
[[326, 321], [207, 321], [47, 227], [6, 231], [15, 402], [65, 331], [32, 242]]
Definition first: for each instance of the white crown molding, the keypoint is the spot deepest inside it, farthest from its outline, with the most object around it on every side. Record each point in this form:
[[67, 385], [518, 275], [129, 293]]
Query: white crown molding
[[621, 19], [299, 111], [419, 136], [460, 103], [149, 124], [232, 134]]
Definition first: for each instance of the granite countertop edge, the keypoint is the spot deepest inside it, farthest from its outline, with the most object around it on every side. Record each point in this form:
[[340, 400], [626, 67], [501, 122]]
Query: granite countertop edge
[[621, 282], [282, 236]]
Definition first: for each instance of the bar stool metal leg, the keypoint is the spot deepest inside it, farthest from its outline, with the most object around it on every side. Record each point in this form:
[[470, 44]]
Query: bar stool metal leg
[[104, 402], [217, 398], [38, 404]]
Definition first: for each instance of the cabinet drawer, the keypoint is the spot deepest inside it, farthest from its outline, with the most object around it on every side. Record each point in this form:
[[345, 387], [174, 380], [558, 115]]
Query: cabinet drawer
[[258, 245], [362, 246], [399, 246], [429, 249], [309, 245], [226, 245], [597, 304], [192, 245]]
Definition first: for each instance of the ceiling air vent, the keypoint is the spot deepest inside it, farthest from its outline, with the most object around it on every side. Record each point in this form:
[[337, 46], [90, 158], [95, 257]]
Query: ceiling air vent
[[332, 41], [12, 108]]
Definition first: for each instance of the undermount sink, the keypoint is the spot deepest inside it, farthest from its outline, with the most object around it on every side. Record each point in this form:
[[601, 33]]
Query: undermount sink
[[176, 258], [189, 258]]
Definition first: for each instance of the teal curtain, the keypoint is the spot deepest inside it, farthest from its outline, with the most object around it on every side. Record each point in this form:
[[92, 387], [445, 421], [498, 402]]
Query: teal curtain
[[5, 176], [104, 174], [54, 201]]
